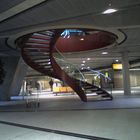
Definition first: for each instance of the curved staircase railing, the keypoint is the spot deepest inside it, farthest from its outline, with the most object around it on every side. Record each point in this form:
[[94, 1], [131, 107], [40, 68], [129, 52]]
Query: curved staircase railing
[[37, 51], [71, 69], [74, 72]]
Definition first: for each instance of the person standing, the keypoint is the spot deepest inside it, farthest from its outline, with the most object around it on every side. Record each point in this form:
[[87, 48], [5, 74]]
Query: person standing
[[28, 88], [51, 84], [37, 85]]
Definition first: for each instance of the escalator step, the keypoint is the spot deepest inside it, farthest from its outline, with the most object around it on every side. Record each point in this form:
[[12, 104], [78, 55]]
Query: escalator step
[[35, 39], [105, 95], [99, 92]]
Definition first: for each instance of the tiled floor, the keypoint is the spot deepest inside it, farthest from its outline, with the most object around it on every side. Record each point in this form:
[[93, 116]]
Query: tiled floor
[[15, 133], [118, 119], [116, 124]]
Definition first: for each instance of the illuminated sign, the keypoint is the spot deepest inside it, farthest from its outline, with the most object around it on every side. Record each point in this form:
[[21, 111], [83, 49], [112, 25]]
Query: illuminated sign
[[117, 66]]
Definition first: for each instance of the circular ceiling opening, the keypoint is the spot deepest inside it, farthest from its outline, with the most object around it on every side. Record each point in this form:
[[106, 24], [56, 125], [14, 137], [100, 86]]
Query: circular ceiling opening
[[75, 40]]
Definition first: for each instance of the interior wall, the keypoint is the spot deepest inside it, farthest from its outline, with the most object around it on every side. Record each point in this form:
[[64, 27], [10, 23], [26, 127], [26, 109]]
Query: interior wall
[[134, 78], [118, 79]]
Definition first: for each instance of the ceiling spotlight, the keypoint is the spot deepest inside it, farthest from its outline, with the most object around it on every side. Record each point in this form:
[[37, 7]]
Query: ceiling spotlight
[[82, 64], [82, 39], [109, 11], [88, 67], [88, 58], [84, 61], [117, 60], [104, 52]]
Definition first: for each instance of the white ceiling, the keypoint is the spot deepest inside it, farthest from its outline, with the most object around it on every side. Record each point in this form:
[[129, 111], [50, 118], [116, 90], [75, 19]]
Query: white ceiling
[[73, 13]]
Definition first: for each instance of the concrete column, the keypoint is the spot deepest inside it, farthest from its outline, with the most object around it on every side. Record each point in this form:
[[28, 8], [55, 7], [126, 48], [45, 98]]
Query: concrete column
[[15, 71], [126, 74], [18, 78], [10, 64]]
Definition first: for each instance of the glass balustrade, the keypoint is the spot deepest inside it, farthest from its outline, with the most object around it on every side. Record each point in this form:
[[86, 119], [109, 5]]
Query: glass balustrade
[[74, 71], [71, 69]]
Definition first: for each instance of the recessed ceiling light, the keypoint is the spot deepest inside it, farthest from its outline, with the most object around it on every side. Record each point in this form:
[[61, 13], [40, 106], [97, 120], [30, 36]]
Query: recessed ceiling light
[[84, 61], [109, 11], [104, 52], [88, 58], [82, 39], [117, 60], [82, 64]]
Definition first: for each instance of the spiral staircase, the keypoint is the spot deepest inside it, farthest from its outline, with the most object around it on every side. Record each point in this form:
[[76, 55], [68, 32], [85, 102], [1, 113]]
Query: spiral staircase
[[37, 51]]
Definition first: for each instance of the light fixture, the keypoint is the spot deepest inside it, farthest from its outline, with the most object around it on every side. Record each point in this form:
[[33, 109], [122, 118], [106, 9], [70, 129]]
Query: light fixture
[[117, 60], [82, 39], [84, 61], [67, 67], [88, 58], [88, 67], [82, 64], [109, 11], [137, 69], [105, 53]]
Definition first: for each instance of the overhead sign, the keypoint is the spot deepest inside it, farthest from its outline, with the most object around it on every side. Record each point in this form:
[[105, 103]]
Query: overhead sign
[[117, 66]]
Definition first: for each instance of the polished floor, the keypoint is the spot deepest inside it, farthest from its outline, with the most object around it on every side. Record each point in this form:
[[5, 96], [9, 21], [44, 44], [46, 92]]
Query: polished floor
[[67, 118]]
